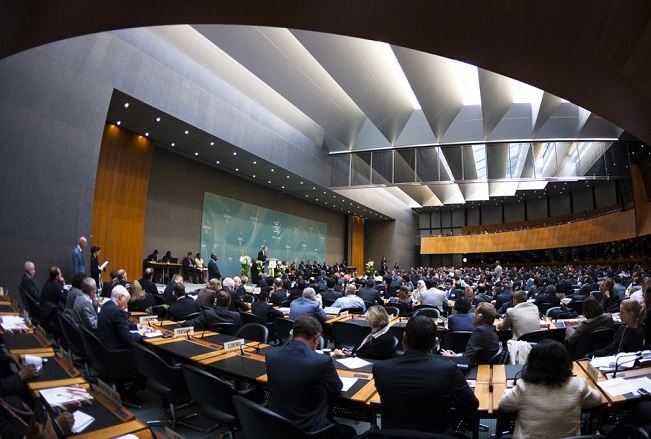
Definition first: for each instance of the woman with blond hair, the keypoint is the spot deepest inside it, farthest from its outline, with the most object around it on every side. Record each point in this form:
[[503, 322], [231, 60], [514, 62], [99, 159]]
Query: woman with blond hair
[[629, 337], [378, 345], [140, 300]]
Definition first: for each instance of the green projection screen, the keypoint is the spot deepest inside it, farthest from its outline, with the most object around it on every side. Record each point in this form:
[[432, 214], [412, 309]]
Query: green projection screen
[[231, 228]]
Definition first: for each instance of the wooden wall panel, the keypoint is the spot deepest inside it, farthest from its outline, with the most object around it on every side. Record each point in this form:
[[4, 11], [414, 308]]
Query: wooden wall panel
[[357, 243], [606, 228], [119, 203]]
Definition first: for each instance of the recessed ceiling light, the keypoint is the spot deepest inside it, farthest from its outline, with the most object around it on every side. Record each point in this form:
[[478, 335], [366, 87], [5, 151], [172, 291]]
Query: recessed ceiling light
[[196, 153], [317, 199], [186, 131], [217, 162], [282, 187], [254, 162], [147, 134], [234, 152], [306, 196], [253, 175], [126, 105], [269, 182], [288, 176], [272, 169], [313, 187], [301, 182], [173, 143], [158, 119], [237, 169], [118, 123]]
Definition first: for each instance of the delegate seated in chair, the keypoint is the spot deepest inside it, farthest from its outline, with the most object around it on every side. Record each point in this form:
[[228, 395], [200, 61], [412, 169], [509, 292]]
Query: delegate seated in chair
[[483, 343], [210, 318]]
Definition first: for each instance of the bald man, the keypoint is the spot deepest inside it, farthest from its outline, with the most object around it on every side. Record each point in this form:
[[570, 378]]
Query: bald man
[[78, 263]]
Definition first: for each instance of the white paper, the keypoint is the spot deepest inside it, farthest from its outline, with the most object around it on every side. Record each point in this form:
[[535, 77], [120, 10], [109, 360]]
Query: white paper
[[640, 383], [616, 386], [348, 383], [353, 362], [36, 361], [13, 323], [81, 421], [332, 310], [103, 265], [284, 311], [153, 334]]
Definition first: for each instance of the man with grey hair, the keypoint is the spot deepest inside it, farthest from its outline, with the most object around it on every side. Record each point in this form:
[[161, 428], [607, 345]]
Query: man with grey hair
[[83, 309], [27, 281], [350, 300], [306, 304], [236, 300], [113, 326]]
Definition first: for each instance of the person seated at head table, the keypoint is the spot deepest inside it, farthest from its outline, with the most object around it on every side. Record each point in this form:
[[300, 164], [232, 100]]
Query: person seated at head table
[[595, 319], [545, 390], [378, 345]]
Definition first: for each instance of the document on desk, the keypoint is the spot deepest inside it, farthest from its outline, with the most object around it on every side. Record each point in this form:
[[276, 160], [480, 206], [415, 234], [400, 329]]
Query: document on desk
[[353, 362], [617, 386], [81, 421], [348, 383]]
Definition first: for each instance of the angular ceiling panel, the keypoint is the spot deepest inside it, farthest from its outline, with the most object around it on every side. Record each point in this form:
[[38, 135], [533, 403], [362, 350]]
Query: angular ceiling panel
[[447, 193], [422, 195], [506, 189], [496, 98], [474, 191]]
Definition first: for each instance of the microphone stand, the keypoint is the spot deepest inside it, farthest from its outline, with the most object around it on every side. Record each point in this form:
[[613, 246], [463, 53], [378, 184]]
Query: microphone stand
[[637, 355], [242, 346]]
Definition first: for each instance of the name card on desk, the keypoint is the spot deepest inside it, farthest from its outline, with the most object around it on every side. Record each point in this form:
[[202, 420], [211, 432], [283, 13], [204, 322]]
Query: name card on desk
[[179, 332], [109, 392], [343, 314], [592, 372], [148, 320], [230, 345]]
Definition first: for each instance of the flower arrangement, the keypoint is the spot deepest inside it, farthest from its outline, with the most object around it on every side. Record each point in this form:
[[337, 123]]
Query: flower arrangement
[[259, 264], [369, 267], [245, 260]]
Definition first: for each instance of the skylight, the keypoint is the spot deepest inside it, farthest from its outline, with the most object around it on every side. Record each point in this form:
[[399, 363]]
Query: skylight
[[524, 93], [467, 78]]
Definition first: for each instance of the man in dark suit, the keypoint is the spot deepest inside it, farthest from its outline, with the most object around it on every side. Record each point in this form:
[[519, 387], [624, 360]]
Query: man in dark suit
[[330, 294], [168, 294], [213, 270], [236, 299], [221, 314], [408, 384], [113, 326], [262, 254], [183, 304], [369, 294], [264, 310], [300, 380], [279, 294], [27, 281], [147, 282], [54, 291], [190, 268], [483, 343]]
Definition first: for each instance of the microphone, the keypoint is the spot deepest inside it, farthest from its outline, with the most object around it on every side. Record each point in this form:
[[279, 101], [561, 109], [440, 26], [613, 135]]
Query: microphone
[[637, 355], [242, 346]]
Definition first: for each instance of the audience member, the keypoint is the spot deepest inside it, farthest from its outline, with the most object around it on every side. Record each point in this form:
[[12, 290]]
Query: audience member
[[546, 389], [300, 380], [147, 282], [369, 294], [279, 294], [306, 304], [75, 290], [27, 281], [350, 300], [183, 305], [190, 268], [595, 319], [379, 344], [168, 294], [432, 296], [78, 263], [140, 300], [331, 294], [108, 286], [84, 311], [207, 295], [210, 317], [113, 326], [483, 343], [522, 318], [629, 337], [54, 291], [408, 384], [264, 310], [462, 320], [236, 300]]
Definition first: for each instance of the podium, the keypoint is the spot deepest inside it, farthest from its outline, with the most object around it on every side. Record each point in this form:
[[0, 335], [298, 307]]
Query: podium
[[269, 263]]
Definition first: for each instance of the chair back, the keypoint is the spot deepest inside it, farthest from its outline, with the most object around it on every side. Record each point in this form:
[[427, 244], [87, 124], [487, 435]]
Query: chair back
[[497, 358], [348, 335], [159, 311], [248, 317], [192, 316], [536, 336], [260, 422], [552, 309], [432, 313], [114, 365], [248, 298], [455, 341], [397, 332], [327, 303], [224, 328], [71, 334], [369, 304], [439, 419], [160, 300], [591, 341], [254, 332], [544, 307], [162, 378], [283, 327], [576, 306], [393, 310], [215, 397], [352, 310]]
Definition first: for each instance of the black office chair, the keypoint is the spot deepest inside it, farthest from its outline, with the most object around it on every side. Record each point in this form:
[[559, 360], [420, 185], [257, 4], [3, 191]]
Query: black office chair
[[160, 311], [536, 336], [259, 422], [283, 328], [404, 433], [348, 335], [369, 304], [75, 344], [397, 332], [248, 317], [167, 382], [215, 397], [432, 313], [224, 328], [576, 306], [113, 366], [393, 310], [441, 419], [455, 340], [352, 310], [551, 310], [497, 358], [248, 298], [160, 300], [590, 342], [254, 332], [192, 316], [327, 303]]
